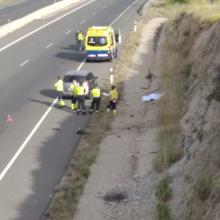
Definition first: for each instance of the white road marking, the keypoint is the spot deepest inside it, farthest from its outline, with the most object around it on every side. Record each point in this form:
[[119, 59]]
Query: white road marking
[[2, 8], [81, 65], [44, 26], [68, 32], [25, 62], [49, 45], [116, 19], [94, 13], [21, 148], [83, 21]]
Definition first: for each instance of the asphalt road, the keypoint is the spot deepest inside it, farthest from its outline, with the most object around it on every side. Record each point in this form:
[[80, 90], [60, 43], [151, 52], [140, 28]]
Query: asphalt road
[[14, 9], [36, 147]]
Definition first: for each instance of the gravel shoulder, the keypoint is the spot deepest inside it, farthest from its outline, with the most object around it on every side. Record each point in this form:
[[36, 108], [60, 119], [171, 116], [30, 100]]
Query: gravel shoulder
[[122, 181]]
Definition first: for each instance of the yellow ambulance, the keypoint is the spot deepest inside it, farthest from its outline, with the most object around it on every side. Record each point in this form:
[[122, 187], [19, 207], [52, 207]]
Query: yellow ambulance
[[101, 43]]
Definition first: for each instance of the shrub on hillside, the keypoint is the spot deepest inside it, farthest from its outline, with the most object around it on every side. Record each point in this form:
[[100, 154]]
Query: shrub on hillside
[[203, 187], [164, 191], [163, 212]]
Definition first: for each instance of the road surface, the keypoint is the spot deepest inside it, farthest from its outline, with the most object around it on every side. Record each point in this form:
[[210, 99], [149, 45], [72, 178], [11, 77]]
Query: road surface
[[14, 9], [36, 147]]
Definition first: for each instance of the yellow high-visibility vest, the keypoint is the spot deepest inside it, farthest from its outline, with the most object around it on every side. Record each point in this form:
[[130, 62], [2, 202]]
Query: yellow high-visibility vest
[[73, 88], [113, 95], [80, 36], [96, 93], [59, 85], [80, 90]]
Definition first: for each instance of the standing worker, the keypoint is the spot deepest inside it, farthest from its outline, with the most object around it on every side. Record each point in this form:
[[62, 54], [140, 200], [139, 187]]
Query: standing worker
[[73, 88], [96, 99], [59, 88], [80, 94], [113, 98], [80, 40]]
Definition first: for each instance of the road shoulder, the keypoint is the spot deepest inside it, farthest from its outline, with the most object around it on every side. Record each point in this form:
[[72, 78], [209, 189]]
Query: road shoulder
[[123, 172]]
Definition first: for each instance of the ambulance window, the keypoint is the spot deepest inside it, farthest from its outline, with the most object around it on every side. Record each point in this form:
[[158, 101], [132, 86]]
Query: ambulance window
[[97, 41], [91, 40]]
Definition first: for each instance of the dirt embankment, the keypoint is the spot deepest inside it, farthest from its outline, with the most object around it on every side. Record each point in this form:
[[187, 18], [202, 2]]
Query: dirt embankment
[[190, 50]]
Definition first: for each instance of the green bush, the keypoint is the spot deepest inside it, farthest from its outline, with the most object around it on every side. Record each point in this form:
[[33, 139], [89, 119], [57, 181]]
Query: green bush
[[164, 191], [203, 187], [163, 212]]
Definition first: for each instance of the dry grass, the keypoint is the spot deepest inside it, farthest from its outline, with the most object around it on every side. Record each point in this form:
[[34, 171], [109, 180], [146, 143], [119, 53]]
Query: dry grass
[[174, 83], [199, 8]]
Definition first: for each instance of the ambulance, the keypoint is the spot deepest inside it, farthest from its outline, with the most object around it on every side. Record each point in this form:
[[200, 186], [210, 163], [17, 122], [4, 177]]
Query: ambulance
[[101, 43]]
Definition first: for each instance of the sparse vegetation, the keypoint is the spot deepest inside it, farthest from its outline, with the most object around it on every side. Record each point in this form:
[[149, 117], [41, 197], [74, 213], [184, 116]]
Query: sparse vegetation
[[203, 187], [163, 194], [164, 191], [163, 212]]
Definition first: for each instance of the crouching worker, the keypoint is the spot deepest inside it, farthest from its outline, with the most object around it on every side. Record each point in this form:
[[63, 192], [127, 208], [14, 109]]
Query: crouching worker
[[96, 99], [59, 88], [73, 89], [113, 98]]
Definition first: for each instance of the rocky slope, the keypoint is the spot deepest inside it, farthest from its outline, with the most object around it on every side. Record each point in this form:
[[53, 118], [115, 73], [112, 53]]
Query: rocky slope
[[195, 179]]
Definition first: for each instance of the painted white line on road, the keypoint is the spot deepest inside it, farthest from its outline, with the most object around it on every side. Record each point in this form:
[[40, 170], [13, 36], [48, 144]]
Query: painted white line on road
[[2, 8], [25, 62], [94, 13], [83, 21], [124, 12], [21, 148], [12, 161], [49, 45], [68, 32], [81, 65], [44, 26]]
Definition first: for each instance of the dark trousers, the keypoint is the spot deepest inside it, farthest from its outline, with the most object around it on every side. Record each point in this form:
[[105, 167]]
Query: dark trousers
[[95, 103], [74, 99], [81, 103], [60, 95], [112, 105], [80, 44]]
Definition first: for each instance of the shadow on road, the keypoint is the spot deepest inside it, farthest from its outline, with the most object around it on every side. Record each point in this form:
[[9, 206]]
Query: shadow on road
[[74, 55], [51, 93], [53, 155], [71, 47]]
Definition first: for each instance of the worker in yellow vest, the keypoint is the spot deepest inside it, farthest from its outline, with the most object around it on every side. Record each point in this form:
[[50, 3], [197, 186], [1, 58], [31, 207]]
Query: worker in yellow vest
[[80, 95], [80, 40], [113, 98], [73, 88], [59, 88], [96, 99]]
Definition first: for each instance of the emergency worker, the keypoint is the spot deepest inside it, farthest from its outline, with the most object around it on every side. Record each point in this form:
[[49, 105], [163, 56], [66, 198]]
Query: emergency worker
[[73, 88], [80, 40], [113, 98], [59, 88], [96, 99], [80, 94]]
